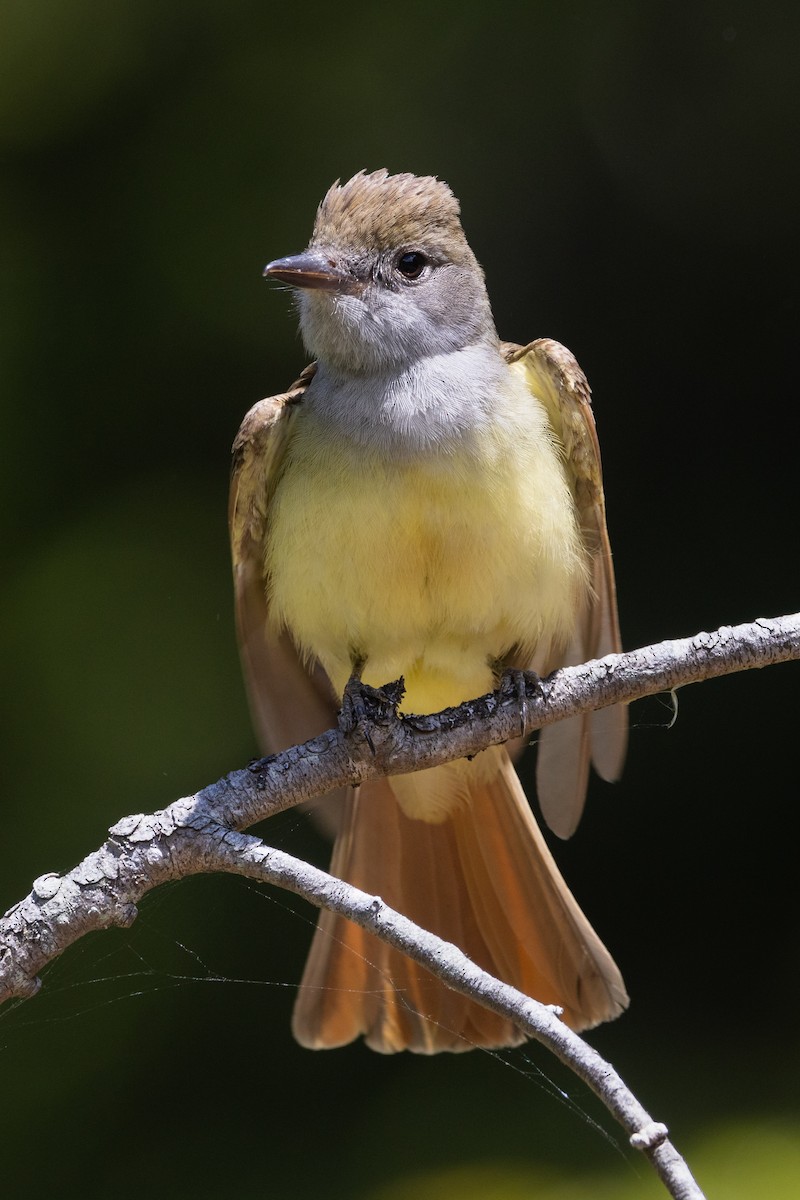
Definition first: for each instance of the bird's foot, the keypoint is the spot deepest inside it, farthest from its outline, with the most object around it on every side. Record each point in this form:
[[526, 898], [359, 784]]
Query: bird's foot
[[515, 683], [364, 706]]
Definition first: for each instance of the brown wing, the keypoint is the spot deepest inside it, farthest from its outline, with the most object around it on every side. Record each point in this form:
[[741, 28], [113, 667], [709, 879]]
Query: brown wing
[[566, 748], [290, 702]]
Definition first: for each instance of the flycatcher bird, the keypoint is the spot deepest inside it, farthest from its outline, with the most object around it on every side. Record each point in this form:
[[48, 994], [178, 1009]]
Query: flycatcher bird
[[426, 502]]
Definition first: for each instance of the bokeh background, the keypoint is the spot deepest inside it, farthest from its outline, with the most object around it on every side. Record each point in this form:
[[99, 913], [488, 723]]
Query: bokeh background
[[628, 177]]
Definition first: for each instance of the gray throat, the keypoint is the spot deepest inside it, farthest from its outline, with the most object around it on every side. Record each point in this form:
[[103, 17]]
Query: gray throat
[[436, 403]]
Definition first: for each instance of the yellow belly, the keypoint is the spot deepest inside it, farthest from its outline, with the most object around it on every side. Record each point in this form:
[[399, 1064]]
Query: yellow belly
[[430, 568]]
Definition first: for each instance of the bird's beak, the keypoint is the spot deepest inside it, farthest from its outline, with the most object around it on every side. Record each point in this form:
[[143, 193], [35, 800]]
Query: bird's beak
[[312, 269]]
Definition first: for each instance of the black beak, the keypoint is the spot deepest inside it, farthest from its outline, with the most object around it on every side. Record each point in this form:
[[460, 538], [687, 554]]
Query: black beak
[[312, 269]]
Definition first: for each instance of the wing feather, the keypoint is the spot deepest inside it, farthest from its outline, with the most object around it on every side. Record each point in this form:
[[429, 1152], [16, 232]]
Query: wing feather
[[290, 701], [566, 748]]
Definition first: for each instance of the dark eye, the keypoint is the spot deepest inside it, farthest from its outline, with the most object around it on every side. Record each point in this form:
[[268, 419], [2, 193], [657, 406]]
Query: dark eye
[[412, 264]]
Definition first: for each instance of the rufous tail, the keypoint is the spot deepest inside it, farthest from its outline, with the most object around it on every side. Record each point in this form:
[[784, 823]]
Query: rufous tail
[[484, 879]]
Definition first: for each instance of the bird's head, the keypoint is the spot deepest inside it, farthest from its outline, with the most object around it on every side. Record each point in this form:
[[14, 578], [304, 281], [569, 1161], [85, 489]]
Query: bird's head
[[388, 277]]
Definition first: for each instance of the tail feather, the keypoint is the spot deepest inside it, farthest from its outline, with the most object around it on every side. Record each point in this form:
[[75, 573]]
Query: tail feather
[[542, 942], [483, 879]]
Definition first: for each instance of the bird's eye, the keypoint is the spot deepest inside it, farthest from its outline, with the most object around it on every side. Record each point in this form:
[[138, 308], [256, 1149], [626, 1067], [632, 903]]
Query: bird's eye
[[411, 264]]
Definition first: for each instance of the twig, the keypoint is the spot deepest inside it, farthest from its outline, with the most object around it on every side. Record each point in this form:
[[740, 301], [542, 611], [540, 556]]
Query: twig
[[196, 835]]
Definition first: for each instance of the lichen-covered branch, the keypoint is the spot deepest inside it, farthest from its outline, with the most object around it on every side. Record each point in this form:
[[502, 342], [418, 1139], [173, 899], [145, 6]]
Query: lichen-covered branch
[[198, 834], [104, 889]]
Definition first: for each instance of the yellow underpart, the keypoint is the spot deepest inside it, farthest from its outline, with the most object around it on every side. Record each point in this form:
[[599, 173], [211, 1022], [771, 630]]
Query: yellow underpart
[[430, 568]]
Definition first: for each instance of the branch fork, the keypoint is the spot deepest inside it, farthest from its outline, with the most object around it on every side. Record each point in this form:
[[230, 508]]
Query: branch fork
[[201, 833]]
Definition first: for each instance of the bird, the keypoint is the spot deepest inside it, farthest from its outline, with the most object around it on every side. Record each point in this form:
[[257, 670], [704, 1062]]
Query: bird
[[425, 502]]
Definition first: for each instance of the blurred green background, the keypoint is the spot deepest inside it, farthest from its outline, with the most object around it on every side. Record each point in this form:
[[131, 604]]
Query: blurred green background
[[628, 176]]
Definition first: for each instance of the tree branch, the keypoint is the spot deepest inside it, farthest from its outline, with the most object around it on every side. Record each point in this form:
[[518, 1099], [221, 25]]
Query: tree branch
[[197, 834]]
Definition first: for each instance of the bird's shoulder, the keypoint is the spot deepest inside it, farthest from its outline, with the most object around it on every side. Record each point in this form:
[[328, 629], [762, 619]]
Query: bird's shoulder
[[262, 422], [553, 375], [257, 450]]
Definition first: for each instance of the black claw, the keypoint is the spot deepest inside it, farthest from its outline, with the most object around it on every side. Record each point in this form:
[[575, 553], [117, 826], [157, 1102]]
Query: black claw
[[514, 682], [364, 706]]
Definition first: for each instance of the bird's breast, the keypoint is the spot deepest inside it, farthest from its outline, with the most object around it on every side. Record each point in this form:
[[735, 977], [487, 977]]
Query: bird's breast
[[429, 566]]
